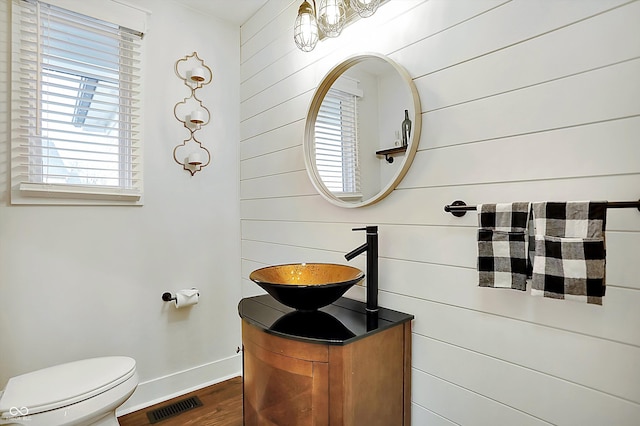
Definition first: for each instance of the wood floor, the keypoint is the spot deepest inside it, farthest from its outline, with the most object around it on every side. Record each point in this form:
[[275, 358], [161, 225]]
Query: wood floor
[[221, 406]]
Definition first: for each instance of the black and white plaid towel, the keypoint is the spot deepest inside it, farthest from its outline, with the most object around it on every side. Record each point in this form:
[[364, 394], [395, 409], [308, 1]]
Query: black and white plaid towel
[[502, 252], [570, 251]]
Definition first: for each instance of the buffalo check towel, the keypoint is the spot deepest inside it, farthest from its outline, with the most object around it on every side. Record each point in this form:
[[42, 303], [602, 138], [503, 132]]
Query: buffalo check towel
[[569, 260], [502, 252]]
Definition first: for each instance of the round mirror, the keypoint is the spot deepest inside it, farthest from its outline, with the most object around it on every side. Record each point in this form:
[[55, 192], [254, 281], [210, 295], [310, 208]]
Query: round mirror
[[362, 130]]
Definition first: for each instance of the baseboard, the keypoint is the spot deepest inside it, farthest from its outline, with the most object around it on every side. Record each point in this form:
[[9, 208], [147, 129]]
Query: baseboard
[[173, 385]]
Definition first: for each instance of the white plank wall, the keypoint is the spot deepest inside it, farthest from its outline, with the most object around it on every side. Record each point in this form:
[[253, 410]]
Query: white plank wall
[[522, 100]]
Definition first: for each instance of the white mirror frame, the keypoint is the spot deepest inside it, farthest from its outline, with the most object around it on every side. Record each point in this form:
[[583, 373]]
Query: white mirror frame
[[309, 132]]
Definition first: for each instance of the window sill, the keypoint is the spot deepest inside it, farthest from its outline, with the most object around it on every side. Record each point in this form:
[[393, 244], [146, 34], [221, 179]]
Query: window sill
[[34, 193], [348, 196]]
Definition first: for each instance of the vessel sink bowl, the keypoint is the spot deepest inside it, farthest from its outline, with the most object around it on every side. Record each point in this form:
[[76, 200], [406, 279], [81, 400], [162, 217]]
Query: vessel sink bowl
[[307, 286]]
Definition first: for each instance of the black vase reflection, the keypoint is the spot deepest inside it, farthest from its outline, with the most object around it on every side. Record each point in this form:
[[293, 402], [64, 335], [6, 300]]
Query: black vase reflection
[[313, 325]]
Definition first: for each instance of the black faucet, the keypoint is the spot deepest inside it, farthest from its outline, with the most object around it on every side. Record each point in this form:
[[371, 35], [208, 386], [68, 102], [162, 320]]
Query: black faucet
[[371, 247]]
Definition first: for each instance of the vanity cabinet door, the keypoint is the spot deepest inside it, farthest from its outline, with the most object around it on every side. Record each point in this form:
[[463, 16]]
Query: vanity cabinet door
[[292, 383], [284, 384]]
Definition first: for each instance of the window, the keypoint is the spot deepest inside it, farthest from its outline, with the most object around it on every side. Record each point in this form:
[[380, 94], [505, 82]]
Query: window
[[76, 99], [336, 139]]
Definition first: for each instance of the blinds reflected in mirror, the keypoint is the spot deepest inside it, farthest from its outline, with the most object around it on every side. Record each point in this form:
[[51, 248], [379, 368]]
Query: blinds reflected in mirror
[[336, 143]]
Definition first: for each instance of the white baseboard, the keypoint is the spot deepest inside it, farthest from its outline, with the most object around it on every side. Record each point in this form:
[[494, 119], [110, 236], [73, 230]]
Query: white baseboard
[[173, 385]]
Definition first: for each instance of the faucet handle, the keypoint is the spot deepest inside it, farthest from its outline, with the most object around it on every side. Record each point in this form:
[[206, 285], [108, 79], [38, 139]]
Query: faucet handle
[[370, 229]]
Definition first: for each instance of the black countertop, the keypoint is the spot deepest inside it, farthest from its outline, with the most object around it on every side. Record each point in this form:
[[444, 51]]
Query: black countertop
[[340, 323]]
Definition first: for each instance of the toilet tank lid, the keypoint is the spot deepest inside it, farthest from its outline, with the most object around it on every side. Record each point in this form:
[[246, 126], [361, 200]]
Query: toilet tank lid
[[65, 384]]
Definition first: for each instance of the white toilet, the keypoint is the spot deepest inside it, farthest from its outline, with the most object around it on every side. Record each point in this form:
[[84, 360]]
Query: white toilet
[[83, 393]]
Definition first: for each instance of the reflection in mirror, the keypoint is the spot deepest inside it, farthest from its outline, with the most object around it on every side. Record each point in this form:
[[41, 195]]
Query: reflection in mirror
[[312, 324], [354, 145]]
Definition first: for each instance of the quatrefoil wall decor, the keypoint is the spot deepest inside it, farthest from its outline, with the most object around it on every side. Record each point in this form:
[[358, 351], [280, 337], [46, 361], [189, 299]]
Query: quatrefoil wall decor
[[191, 112]]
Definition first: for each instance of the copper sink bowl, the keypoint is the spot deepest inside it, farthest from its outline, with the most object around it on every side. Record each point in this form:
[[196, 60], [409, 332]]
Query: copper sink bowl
[[307, 286]]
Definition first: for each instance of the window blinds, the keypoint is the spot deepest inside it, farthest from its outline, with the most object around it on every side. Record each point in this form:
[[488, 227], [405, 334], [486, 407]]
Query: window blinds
[[78, 106], [336, 141]]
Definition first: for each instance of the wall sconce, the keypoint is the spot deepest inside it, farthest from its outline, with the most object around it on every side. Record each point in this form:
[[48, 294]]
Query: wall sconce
[[191, 154], [328, 19]]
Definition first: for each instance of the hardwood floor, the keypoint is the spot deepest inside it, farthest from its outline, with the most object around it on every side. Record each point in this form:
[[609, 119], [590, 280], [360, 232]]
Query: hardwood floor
[[221, 406]]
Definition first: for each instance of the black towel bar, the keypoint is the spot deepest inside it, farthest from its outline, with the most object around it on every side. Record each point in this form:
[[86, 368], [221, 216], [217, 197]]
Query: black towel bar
[[459, 208]]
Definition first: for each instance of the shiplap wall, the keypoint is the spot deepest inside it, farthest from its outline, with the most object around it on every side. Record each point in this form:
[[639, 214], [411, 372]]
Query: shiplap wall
[[522, 101]]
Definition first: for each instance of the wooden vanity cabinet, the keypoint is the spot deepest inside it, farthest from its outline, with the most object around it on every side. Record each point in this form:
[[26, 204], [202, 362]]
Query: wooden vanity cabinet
[[291, 382]]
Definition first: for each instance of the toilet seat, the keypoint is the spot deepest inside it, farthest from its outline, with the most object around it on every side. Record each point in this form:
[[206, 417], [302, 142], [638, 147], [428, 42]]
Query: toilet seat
[[62, 385]]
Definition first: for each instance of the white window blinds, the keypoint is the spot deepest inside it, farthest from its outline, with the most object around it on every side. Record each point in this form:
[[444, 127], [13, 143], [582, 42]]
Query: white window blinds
[[336, 140], [76, 97]]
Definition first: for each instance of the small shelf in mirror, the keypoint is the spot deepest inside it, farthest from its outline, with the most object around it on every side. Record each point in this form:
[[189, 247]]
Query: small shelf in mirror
[[389, 153]]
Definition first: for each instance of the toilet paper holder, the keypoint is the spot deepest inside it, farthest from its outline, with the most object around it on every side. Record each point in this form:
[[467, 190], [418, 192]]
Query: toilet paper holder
[[168, 297]]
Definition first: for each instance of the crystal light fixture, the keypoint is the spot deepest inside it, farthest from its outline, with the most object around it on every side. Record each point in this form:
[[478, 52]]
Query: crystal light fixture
[[305, 30], [328, 19]]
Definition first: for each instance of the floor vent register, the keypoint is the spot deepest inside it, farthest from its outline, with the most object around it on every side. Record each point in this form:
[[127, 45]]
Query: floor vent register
[[173, 409]]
